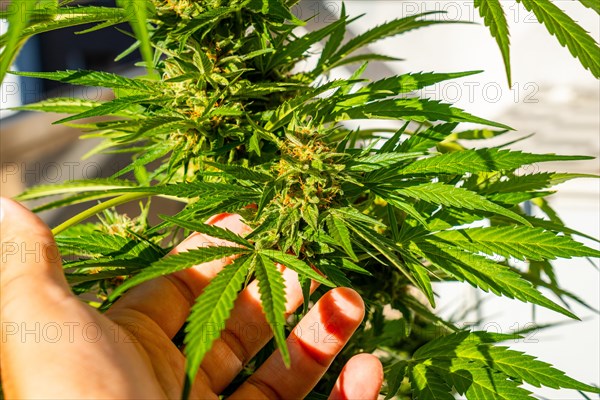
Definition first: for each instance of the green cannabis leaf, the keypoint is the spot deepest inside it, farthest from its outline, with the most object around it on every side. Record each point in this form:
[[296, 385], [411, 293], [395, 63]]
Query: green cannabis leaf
[[272, 297], [177, 262], [474, 366], [209, 313], [568, 33], [516, 241], [494, 18]]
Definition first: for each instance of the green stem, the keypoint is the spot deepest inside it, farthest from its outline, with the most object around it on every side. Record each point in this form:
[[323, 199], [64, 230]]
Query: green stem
[[99, 207]]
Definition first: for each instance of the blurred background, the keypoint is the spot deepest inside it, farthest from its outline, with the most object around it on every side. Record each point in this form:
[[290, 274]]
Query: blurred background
[[552, 97]]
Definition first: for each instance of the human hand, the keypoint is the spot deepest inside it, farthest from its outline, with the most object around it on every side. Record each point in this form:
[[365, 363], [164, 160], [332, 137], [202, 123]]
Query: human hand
[[55, 346]]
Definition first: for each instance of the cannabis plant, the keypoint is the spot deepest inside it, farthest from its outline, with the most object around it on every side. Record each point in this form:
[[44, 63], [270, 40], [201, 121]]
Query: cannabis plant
[[225, 122]]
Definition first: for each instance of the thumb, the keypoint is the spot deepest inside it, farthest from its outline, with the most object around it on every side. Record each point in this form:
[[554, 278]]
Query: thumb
[[31, 285], [49, 337], [31, 276]]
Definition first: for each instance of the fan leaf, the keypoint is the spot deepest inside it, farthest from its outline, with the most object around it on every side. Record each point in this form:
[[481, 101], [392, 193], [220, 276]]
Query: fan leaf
[[517, 241], [487, 275], [494, 18], [209, 314], [568, 32], [177, 262], [481, 160], [272, 296], [448, 195]]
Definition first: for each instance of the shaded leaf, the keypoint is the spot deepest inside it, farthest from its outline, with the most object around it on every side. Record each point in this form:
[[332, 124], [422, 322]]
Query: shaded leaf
[[293, 263], [209, 314], [385, 30], [272, 296], [177, 262], [137, 11], [428, 385], [487, 275], [70, 16], [338, 230], [210, 230], [19, 14], [592, 4], [95, 78]]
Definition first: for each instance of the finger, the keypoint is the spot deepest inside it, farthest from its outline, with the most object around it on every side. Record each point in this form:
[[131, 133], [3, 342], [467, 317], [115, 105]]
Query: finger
[[313, 344], [45, 329], [167, 300], [360, 379], [247, 331]]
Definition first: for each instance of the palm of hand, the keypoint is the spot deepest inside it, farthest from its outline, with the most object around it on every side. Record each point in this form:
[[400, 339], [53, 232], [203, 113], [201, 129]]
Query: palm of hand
[[128, 352]]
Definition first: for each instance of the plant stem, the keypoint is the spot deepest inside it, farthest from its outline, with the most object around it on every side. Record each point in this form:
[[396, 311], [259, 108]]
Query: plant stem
[[99, 207]]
